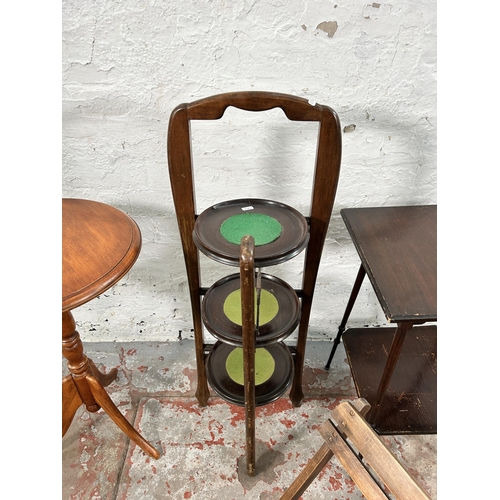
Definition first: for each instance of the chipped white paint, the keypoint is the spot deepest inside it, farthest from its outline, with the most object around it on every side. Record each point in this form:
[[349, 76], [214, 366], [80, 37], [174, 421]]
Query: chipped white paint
[[127, 64]]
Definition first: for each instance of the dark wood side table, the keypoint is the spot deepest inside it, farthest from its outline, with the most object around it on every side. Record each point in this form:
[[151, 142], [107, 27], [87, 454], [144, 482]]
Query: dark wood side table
[[99, 246], [395, 369]]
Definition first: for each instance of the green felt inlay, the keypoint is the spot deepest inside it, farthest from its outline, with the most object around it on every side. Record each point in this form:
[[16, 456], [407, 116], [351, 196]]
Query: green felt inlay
[[268, 308], [264, 365], [263, 228]]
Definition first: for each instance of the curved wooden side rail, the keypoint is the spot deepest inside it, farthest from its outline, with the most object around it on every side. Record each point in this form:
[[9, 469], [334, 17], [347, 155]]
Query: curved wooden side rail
[[326, 177], [182, 185]]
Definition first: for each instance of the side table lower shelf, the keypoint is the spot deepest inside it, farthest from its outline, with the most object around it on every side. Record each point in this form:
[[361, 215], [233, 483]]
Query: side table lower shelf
[[410, 403]]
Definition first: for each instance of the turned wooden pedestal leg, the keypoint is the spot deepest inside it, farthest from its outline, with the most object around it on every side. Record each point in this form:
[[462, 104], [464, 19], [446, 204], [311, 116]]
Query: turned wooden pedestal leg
[[85, 385]]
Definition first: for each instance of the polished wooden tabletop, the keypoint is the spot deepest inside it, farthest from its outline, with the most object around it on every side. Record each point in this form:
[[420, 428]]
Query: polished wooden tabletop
[[398, 249], [99, 246]]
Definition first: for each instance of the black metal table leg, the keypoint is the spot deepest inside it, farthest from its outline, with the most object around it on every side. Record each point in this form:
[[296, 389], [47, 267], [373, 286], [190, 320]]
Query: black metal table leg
[[350, 304]]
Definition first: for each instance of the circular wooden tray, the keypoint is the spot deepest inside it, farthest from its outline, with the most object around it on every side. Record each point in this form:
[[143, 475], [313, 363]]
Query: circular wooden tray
[[279, 327], [233, 392], [286, 244]]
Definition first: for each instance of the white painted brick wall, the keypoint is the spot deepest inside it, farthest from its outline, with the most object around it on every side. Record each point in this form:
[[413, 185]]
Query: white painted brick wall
[[127, 64]]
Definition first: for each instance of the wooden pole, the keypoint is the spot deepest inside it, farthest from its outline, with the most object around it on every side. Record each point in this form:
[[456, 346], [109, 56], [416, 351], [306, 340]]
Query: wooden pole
[[247, 286]]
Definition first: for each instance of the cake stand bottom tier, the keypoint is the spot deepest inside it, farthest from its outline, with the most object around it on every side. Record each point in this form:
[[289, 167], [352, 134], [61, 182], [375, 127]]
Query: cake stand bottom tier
[[273, 372]]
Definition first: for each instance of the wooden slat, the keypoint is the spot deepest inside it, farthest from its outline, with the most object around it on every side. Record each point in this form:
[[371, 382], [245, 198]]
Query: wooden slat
[[392, 473], [365, 482], [308, 473], [247, 287]]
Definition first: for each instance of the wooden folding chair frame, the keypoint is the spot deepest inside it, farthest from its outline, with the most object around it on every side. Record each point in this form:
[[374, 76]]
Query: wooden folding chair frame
[[371, 465]]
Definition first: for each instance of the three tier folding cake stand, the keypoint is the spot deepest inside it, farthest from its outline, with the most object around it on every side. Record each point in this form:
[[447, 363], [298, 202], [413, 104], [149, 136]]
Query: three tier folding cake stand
[[251, 313]]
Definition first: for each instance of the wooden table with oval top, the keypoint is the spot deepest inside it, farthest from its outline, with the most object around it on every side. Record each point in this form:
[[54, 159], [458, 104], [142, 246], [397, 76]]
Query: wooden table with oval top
[[99, 246]]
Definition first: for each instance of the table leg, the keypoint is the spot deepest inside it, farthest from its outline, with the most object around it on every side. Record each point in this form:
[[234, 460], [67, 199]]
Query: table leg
[[392, 359], [71, 401], [104, 378], [85, 385], [352, 299], [110, 408]]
